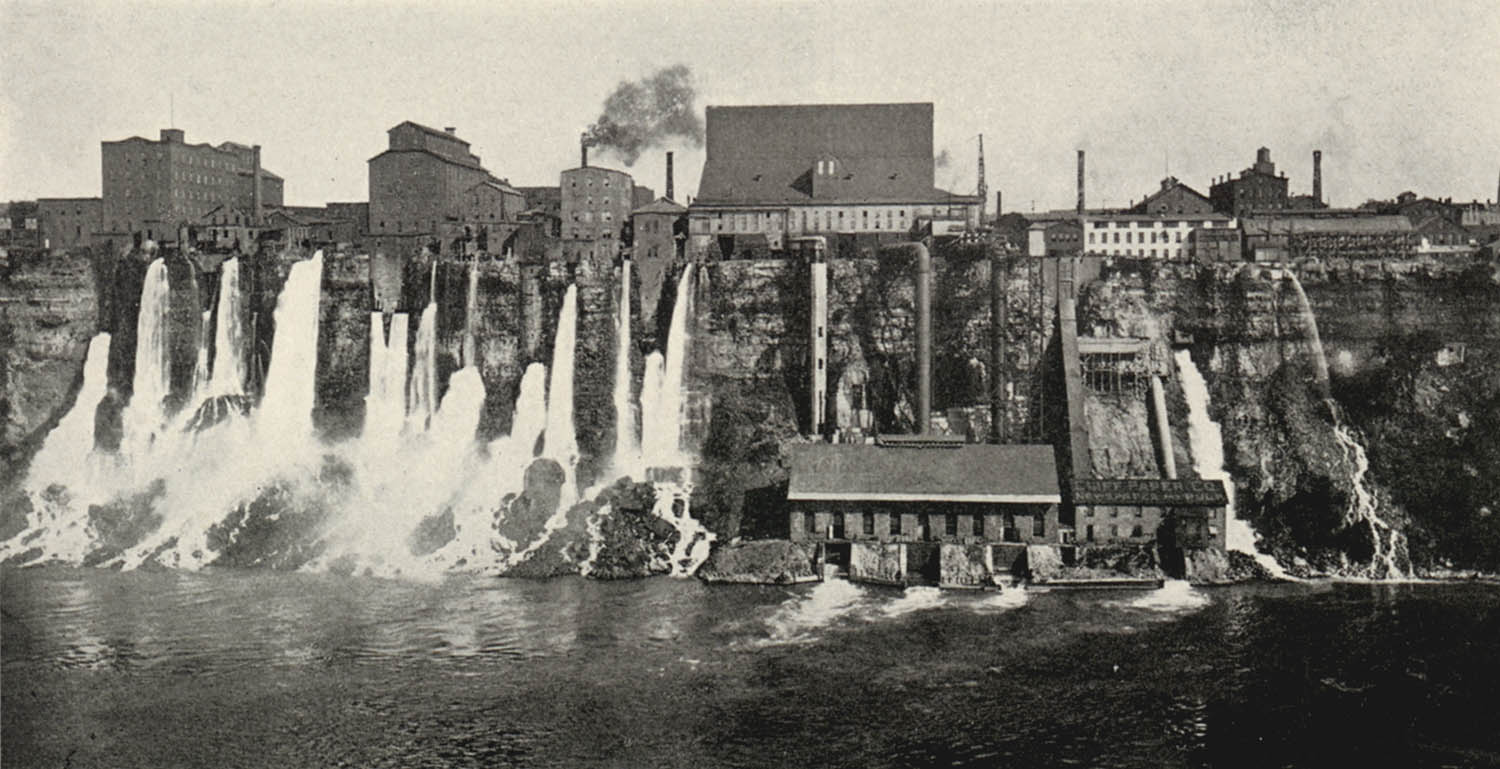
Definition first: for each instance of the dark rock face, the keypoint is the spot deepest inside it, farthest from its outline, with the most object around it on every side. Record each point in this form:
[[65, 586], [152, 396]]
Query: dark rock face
[[49, 309], [767, 561]]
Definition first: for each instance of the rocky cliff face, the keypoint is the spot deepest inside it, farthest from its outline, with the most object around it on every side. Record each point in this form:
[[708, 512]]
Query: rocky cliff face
[[49, 309], [1392, 389]]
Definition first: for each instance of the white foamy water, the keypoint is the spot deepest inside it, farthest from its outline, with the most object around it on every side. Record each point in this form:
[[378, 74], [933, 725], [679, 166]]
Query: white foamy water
[[627, 440], [1173, 595], [1207, 443], [228, 377]]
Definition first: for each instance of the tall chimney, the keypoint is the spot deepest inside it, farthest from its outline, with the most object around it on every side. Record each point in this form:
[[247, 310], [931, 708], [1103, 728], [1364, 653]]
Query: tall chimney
[[583, 150], [1080, 181], [1318, 175], [998, 210], [255, 182], [669, 177]]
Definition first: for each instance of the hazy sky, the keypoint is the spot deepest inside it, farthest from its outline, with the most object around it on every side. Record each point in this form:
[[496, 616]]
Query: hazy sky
[[1398, 95]]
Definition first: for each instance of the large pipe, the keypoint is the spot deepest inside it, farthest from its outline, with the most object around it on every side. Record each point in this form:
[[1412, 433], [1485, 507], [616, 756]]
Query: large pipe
[[1080, 181], [818, 366], [924, 339], [999, 317], [1318, 175]]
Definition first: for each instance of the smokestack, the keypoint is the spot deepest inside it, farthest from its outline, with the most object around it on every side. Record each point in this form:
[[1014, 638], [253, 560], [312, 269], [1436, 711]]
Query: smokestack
[[669, 177], [255, 181], [1318, 175], [1080, 181], [998, 209], [583, 150]]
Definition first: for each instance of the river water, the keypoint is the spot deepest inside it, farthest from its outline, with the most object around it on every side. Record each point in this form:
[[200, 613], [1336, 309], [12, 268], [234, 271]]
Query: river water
[[258, 668]]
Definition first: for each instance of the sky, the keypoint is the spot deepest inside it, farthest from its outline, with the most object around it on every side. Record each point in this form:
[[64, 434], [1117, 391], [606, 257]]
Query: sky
[[1397, 96]]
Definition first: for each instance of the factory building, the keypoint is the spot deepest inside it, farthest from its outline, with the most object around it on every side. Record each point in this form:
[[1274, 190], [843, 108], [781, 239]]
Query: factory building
[[843, 172], [154, 187], [1257, 188], [908, 510], [428, 187], [69, 222]]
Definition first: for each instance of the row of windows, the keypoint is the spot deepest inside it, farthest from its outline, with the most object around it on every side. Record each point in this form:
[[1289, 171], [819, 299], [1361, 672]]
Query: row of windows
[[1141, 239], [816, 220], [1165, 252], [1009, 532]]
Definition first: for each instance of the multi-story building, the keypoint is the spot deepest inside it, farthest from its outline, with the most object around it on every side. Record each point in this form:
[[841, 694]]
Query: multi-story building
[[1152, 236], [69, 222], [596, 206], [1174, 197], [1257, 188], [427, 186], [154, 187], [779, 172], [20, 225]]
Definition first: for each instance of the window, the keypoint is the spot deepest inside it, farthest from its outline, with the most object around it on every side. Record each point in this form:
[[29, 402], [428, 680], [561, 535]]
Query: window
[[1088, 533], [1038, 525], [979, 525], [1136, 531], [1114, 531], [869, 524], [896, 524], [950, 525], [810, 523]]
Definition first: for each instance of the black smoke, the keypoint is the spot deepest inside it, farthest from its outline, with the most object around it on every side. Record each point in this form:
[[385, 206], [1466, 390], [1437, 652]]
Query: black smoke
[[648, 113]]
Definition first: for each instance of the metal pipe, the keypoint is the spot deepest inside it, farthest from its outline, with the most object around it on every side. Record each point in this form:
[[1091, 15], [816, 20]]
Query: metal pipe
[[1163, 428], [924, 339]]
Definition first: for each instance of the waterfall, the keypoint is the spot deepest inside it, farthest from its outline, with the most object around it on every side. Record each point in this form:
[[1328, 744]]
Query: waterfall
[[64, 455], [200, 367], [561, 441], [291, 383], [1389, 543], [471, 306], [228, 377], [661, 416], [144, 415], [1207, 443], [421, 399], [627, 444], [385, 405], [693, 538]]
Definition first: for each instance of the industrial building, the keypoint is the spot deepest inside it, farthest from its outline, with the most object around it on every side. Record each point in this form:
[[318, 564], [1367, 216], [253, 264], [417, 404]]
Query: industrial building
[[773, 173], [156, 187], [428, 188]]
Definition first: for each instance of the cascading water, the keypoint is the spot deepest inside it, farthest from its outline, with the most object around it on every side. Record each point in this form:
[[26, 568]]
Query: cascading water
[[421, 399], [1389, 543], [385, 405], [627, 444], [142, 421], [1207, 443], [228, 377], [200, 367], [560, 441], [661, 416], [471, 306], [286, 410]]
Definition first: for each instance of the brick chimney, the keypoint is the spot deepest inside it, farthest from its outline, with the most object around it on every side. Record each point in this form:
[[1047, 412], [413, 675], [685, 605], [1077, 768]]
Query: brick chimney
[[1080, 181], [669, 177], [583, 150], [1318, 175], [255, 182], [450, 130]]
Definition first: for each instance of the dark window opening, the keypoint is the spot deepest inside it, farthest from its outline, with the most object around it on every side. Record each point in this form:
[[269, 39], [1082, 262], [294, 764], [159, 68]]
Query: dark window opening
[[869, 524], [950, 525], [895, 523]]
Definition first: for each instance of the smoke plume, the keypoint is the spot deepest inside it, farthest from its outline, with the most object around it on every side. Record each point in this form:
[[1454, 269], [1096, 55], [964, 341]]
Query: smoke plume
[[648, 113]]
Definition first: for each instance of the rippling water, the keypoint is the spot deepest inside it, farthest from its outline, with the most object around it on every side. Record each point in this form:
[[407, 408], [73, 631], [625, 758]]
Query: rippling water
[[242, 668]]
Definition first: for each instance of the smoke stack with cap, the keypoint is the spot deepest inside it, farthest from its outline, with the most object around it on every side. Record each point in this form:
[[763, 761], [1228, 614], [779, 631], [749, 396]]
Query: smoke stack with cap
[[1318, 175], [669, 177], [583, 150], [1080, 181]]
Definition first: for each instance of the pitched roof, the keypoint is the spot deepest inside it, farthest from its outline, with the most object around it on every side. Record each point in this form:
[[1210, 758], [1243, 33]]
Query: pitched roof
[[761, 155], [971, 472], [420, 151], [661, 206], [429, 130]]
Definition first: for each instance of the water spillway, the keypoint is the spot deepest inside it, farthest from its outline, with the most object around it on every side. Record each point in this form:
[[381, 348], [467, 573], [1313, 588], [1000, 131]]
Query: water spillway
[[627, 441]]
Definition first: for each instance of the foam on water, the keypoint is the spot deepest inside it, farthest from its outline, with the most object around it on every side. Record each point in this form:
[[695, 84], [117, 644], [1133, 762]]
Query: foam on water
[[1174, 595]]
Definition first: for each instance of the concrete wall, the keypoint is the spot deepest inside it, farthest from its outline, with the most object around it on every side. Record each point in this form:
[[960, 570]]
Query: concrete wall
[[965, 565], [877, 562]]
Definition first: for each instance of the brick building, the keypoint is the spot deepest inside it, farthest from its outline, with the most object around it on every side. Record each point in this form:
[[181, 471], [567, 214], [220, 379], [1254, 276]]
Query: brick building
[[1257, 188], [69, 222], [595, 210], [153, 187], [20, 225], [427, 186], [1174, 197], [1153, 236], [778, 172]]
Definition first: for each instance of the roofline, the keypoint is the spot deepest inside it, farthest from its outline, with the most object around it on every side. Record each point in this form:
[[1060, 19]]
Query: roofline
[[698, 202], [428, 129], [433, 154], [40, 200], [838, 496], [824, 104]]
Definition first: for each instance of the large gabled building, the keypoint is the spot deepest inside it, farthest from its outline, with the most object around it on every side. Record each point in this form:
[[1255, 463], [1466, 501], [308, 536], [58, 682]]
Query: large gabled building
[[840, 171], [1257, 188], [428, 187]]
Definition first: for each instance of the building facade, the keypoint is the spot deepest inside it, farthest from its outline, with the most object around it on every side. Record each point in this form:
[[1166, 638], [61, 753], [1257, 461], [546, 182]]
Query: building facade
[[20, 225], [427, 187], [1172, 237], [153, 187], [595, 210], [1174, 198], [1257, 188], [779, 172], [69, 222]]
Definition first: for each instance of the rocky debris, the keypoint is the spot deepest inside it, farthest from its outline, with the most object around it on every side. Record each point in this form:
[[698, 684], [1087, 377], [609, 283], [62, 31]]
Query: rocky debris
[[765, 561]]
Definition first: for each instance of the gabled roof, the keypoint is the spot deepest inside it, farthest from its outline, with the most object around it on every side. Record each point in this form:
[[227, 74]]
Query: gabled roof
[[428, 130], [421, 151], [661, 206], [1170, 185], [498, 185], [974, 472], [761, 155]]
